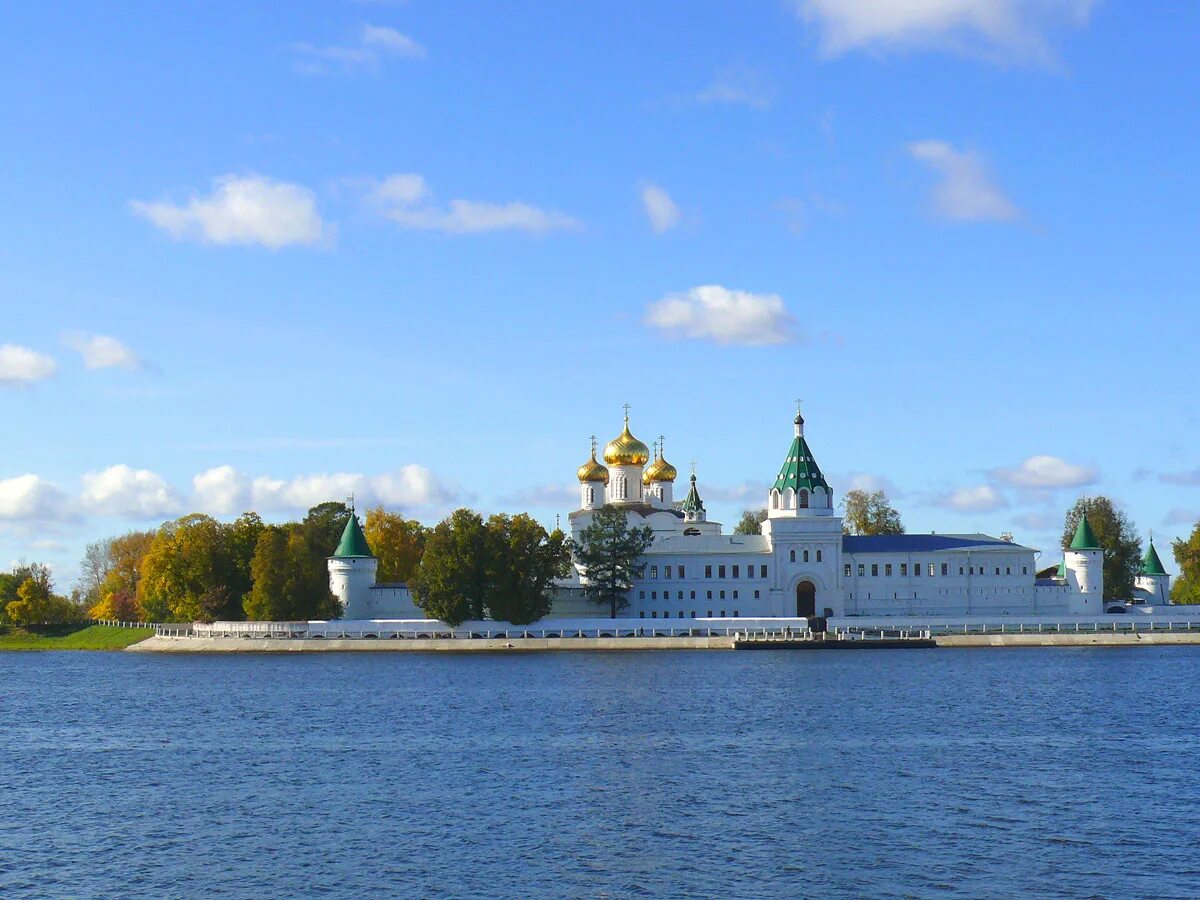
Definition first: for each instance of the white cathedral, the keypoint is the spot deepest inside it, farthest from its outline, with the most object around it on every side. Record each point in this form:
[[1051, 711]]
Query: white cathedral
[[802, 564]]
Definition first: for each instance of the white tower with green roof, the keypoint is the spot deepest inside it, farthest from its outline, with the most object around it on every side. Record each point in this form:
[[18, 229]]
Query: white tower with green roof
[[1152, 581], [805, 535], [1084, 563], [352, 571]]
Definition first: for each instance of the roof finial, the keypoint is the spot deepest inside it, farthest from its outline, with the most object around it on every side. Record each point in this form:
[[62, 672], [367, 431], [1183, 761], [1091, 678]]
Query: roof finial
[[593, 445], [557, 523], [654, 449], [693, 470], [350, 501], [661, 451], [626, 407]]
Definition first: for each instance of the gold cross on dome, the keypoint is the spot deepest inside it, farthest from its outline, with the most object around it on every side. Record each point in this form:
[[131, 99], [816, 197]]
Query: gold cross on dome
[[626, 408], [593, 445], [661, 440]]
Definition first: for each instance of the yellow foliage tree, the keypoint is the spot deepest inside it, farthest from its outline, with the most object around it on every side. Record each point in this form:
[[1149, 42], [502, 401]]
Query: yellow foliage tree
[[398, 544]]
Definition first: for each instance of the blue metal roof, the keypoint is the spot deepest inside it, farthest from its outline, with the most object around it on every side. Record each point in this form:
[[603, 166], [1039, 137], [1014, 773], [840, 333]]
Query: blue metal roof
[[919, 543]]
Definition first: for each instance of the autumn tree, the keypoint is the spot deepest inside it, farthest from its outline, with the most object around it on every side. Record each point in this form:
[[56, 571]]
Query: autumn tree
[[288, 582], [1116, 536], [451, 582], [1186, 586], [94, 568], [751, 522], [397, 543], [186, 561], [36, 602], [869, 513], [609, 551], [523, 561], [10, 584], [118, 590]]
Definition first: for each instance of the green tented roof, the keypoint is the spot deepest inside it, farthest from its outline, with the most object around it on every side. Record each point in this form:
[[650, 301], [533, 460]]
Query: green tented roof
[[1085, 538], [1151, 564], [693, 503], [1062, 568], [353, 542], [800, 470]]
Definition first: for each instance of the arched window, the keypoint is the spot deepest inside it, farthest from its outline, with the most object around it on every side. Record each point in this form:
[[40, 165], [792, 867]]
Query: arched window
[[792, 556], [803, 499], [818, 556], [806, 556], [775, 499], [591, 495]]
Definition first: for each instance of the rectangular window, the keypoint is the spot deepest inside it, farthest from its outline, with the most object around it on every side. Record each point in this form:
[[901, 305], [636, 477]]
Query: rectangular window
[[818, 556], [916, 570], [693, 595], [654, 571], [735, 595], [709, 595], [756, 595], [874, 570], [654, 595], [720, 571], [736, 573], [666, 571], [887, 570], [932, 570], [997, 570], [722, 595], [641, 595], [654, 614], [710, 613], [681, 571], [693, 614], [680, 616], [735, 613], [862, 570], [960, 570], [762, 571], [679, 595], [945, 569], [722, 614], [708, 571], [1024, 570], [642, 614], [1007, 570], [846, 570], [904, 569]]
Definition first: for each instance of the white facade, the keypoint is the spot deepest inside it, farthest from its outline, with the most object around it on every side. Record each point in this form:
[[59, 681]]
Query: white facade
[[802, 564]]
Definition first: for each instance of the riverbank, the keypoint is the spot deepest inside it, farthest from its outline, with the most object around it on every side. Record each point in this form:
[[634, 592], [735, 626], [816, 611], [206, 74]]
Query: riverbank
[[715, 642], [71, 637]]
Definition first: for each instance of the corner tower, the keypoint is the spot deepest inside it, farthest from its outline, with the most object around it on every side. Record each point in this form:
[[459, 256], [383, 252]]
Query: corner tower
[[1084, 562], [352, 571], [1152, 578]]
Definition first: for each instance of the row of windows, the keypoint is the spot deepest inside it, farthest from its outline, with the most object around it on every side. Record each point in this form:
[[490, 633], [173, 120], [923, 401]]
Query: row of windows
[[792, 556], [959, 592], [666, 595], [667, 614], [916, 570], [681, 571]]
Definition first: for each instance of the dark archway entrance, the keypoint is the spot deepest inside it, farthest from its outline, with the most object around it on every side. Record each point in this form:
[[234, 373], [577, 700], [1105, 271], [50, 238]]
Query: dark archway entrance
[[806, 599]]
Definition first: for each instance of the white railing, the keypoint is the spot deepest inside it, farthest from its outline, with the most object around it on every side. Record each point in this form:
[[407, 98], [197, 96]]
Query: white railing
[[1107, 626], [330, 631]]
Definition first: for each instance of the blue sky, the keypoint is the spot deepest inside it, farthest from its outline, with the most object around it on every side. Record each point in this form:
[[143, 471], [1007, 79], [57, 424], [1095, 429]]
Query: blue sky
[[423, 250]]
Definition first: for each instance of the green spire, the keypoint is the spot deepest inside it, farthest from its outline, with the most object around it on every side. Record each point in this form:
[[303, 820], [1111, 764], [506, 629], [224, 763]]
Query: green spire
[[353, 542], [1151, 564], [1062, 568], [800, 470], [692, 503], [1085, 538]]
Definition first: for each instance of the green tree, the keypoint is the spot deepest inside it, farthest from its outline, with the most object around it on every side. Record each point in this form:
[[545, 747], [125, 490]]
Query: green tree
[[10, 584], [241, 540], [751, 522], [1117, 538], [524, 561], [609, 551], [1186, 585], [323, 526], [187, 559], [869, 513], [397, 543], [37, 603], [289, 583], [451, 584]]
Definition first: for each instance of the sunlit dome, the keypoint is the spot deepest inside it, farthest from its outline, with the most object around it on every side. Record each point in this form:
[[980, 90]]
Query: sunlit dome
[[626, 450]]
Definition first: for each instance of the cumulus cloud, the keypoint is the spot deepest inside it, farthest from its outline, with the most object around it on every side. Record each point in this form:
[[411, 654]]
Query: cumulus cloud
[[220, 491], [1001, 30], [370, 48], [127, 492], [739, 87], [250, 209], [980, 498], [100, 351], [660, 208], [407, 200], [712, 312], [30, 498], [965, 191], [865, 481], [1188, 478], [21, 366], [1046, 472]]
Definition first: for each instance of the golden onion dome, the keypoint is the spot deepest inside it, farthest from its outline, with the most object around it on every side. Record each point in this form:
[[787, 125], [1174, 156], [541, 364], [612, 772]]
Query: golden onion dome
[[626, 450], [592, 471], [659, 470]]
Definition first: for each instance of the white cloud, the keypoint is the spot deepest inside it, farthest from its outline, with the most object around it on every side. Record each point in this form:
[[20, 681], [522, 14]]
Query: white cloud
[[31, 498], [411, 486], [102, 352], [1036, 521], [553, 496], [1000, 30], [660, 208], [249, 209], [1188, 478], [712, 312], [370, 48], [132, 493], [407, 200], [1187, 517], [865, 481], [1045, 472], [737, 86], [22, 366], [980, 498], [965, 191], [220, 491]]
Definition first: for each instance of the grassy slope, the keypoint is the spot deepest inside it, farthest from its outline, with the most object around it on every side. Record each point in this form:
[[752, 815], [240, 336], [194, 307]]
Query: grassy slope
[[72, 637]]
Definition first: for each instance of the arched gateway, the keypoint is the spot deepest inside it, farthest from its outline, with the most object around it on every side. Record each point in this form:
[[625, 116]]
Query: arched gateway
[[806, 599]]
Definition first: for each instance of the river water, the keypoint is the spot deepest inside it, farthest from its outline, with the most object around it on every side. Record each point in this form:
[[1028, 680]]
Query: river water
[[957, 773]]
